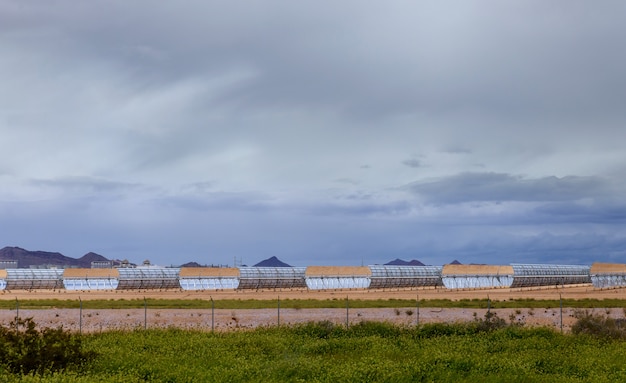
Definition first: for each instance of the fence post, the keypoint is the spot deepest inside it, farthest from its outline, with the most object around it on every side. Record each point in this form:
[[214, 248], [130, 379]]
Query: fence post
[[145, 313], [80, 318], [561, 305], [279, 310], [417, 304], [17, 314], [212, 315], [347, 313]]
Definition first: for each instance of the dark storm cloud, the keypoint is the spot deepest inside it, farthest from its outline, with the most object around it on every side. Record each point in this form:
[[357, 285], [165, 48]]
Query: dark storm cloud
[[500, 187], [412, 163], [114, 114], [86, 184]]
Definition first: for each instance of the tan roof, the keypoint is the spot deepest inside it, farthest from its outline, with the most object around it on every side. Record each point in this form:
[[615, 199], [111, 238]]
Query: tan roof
[[209, 272], [90, 273], [476, 270], [322, 271], [607, 268]]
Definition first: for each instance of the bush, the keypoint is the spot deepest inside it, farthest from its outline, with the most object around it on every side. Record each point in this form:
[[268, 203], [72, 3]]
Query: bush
[[599, 326], [25, 350], [491, 322], [322, 329]]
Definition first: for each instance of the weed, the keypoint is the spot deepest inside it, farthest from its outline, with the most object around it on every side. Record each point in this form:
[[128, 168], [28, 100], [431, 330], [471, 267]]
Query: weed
[[26, 350], [598, 325]]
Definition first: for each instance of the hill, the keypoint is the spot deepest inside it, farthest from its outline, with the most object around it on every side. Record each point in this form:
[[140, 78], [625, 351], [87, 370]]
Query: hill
[[272, 262], [400, 262], [26, 258]]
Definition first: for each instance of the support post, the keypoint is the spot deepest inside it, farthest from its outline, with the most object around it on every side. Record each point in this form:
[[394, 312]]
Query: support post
[[561, 306], [80, 316], [17, 314], [145, 313], [212, 315], [347, 313], [278, 300], [417, 312]]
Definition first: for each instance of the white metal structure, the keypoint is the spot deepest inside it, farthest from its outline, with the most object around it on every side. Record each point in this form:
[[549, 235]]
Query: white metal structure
[[148, 278], [338, 282], [34, 279], [271, 277], [529, 275], [607, 275], [90, 283], [209, 283], [390, 276], [476, 281]]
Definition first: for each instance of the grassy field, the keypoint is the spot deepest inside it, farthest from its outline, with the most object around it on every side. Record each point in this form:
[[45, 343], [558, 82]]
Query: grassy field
[[367, 352], [307, 303]]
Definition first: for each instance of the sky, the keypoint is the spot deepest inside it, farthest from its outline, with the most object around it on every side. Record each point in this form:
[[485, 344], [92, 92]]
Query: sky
[[322, 133]]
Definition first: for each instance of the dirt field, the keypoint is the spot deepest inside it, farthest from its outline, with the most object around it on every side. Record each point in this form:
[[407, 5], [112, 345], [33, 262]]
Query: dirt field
[[224, 320], [573, 292]]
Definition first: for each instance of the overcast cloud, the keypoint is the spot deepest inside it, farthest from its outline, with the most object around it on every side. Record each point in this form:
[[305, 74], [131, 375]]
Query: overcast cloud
[[321, 133]]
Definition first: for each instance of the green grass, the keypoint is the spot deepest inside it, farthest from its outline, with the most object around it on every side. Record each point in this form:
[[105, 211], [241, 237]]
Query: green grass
[[367, 352], [307, 303]]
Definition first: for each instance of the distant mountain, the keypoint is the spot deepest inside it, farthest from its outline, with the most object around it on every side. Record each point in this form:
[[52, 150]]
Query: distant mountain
[[26, 258], [272, 262], [191, 264], [91, 257], [455, 262], [401, 262]]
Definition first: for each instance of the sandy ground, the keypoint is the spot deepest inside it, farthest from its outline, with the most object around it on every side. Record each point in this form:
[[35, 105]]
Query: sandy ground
[[89, 320], [225, 320], [424, 294]]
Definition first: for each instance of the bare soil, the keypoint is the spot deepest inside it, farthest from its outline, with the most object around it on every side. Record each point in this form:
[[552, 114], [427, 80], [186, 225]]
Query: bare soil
[[222, 320]]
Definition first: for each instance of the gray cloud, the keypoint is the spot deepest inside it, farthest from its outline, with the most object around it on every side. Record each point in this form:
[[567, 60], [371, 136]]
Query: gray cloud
[[498, 187], [216, 130], [86, 184], [412, 163]]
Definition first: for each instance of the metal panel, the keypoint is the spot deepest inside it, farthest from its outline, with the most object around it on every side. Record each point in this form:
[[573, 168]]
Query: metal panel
[[90, 283], [529, 275], [337, 282], [215, 283], [34, 279], [476, 281], [148, 278], [389, 276], [271, 277], [601, 281]]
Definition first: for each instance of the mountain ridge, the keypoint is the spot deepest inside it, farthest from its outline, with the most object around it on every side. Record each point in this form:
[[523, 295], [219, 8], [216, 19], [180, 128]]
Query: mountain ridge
[[28, 258]]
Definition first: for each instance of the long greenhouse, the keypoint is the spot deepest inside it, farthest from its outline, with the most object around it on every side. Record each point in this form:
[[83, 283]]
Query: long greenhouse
[[338, 277], [388, 276], [139, 278], [33, 279], [477, 276], [91, 279], [271, 277], [607, 275], [209, 278], [530, 275], [315, 277]]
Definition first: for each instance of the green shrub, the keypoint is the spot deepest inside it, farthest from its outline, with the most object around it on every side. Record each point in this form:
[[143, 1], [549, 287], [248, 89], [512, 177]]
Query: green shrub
[[490, 322], [25, 350], [598, 325], [322, 329]]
